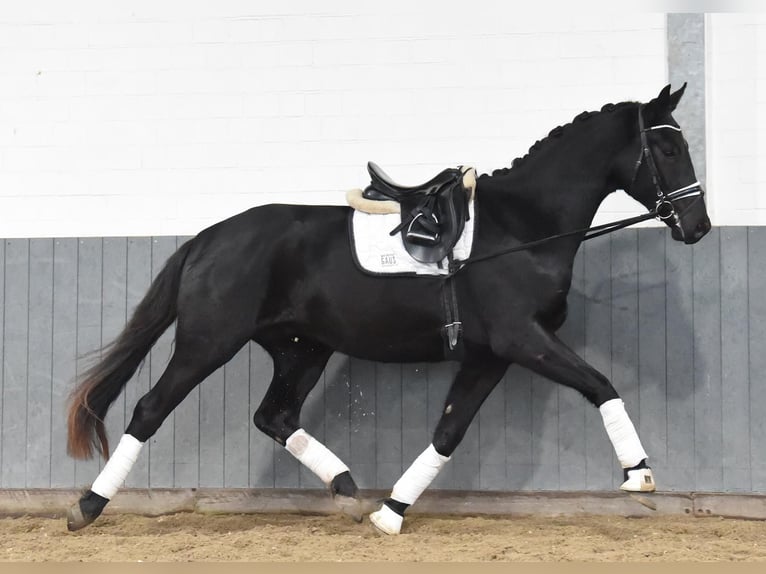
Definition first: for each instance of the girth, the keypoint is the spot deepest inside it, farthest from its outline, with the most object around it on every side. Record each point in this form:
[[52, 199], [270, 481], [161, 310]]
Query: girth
[[433, 214]]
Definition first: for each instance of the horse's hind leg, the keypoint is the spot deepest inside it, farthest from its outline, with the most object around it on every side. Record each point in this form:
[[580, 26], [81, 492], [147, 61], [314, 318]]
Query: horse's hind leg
[[298, 363], [478, 375], [190, 364]]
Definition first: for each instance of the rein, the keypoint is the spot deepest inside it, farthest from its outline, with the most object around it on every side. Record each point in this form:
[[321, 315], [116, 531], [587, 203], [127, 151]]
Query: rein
[[663, 210], [596, 231]]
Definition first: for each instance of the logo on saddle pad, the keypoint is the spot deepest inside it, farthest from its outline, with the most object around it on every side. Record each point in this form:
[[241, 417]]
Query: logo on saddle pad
[[388, 260]]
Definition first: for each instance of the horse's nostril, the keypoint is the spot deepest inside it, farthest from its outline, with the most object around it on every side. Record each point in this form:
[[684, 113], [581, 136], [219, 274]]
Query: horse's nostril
[[701, 229]]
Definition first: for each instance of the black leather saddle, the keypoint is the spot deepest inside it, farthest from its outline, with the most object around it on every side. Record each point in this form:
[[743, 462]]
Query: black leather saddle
[[433, 213]]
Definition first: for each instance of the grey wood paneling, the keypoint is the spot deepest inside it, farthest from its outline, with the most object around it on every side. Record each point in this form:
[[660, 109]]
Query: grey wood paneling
[[39, 404], [2, 345], [211, 412], [679, 366], [388, 424], [708, 453], [15, 361], [649, 411], [113, 317], [545, 434], [678, 329], [735, 392], [362, 443], [756, 289], [63, 368], [89, 302], [236, 421], [490, 425], [518, 427]]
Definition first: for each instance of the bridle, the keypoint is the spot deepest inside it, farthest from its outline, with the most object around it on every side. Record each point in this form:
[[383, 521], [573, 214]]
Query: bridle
[[664, 208]]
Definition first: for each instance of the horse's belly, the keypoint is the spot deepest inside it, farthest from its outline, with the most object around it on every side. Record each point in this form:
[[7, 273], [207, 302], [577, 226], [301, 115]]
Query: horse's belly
[[382, 319]]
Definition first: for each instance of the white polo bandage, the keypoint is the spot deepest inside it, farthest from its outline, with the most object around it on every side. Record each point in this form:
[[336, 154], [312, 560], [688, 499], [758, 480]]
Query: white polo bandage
[[418, 476], [622, 433], [317, 457], [386, 520], [117, 467]]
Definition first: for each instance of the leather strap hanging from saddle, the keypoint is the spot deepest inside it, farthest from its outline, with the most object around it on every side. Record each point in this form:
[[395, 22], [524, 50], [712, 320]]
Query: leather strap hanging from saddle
[[433, 214]]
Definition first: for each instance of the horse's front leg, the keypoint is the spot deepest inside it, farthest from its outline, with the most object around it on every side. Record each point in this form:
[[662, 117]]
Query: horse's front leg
[[476, 378], [545, 354]]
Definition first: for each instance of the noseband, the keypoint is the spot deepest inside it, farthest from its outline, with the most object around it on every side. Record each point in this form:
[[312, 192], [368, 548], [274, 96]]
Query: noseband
[[664, 208]]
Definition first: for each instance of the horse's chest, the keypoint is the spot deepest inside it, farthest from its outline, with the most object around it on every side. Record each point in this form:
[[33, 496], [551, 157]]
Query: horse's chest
[[544, 282]]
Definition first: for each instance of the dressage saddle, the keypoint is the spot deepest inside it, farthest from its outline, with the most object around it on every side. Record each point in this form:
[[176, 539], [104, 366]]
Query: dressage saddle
[[433, 214]]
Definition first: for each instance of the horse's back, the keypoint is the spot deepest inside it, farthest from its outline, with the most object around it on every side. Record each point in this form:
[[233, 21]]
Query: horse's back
[[279, 269]]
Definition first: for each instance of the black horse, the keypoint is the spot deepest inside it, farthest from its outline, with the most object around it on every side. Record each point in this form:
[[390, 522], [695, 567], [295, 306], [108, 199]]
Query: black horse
[[284, 276]]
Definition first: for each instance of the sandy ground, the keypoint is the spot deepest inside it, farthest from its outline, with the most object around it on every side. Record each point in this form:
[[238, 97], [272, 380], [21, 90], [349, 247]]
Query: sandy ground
[[290, 537]]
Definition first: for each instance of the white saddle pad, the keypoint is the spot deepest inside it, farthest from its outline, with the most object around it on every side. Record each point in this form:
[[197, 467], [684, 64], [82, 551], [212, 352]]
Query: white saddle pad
[[381, 254]]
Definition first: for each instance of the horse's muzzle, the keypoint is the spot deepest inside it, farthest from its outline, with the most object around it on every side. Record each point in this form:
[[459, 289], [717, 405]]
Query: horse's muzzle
[[699, 231]]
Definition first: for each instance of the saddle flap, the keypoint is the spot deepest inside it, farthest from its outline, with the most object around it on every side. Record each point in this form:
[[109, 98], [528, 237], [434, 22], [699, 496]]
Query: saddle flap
[[432, 227]]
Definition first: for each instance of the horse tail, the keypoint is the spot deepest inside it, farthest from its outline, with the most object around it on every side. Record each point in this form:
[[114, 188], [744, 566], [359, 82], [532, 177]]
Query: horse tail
[[102, 383]]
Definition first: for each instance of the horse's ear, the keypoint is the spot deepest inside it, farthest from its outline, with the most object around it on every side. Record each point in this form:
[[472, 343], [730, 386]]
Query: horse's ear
[[675, 97], [663, 100]]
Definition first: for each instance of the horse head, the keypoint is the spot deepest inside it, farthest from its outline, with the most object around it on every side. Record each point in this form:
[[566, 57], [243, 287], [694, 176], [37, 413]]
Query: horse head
[[663, 177]]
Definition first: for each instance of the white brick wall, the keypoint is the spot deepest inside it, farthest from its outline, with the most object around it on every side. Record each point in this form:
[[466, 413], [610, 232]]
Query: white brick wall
[[164, 117], [737, 118]]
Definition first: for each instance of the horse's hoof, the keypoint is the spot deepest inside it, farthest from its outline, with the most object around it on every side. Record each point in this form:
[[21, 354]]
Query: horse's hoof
[[75, 520], [386, 521], [88, 508], [639, 480], [650, 504], [349, 506]]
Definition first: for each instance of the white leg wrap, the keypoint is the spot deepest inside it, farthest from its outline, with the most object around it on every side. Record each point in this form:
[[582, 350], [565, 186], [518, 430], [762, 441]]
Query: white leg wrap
[[408, 488], [386, 520], [421, 473], [117, 467], [316, 456], [622, 433]]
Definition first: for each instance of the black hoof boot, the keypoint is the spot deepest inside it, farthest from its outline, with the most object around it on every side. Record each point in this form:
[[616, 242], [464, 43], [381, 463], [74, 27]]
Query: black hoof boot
[[87, 509], [345, 494]]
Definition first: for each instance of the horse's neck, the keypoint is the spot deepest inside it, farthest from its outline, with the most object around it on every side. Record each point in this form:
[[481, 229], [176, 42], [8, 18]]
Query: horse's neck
[[556, 189]]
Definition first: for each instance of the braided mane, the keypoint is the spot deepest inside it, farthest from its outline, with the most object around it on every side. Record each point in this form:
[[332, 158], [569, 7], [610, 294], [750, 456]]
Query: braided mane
[[554, 134]]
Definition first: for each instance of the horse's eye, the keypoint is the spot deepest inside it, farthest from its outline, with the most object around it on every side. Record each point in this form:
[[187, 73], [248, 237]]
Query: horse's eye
[[668, 150]]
